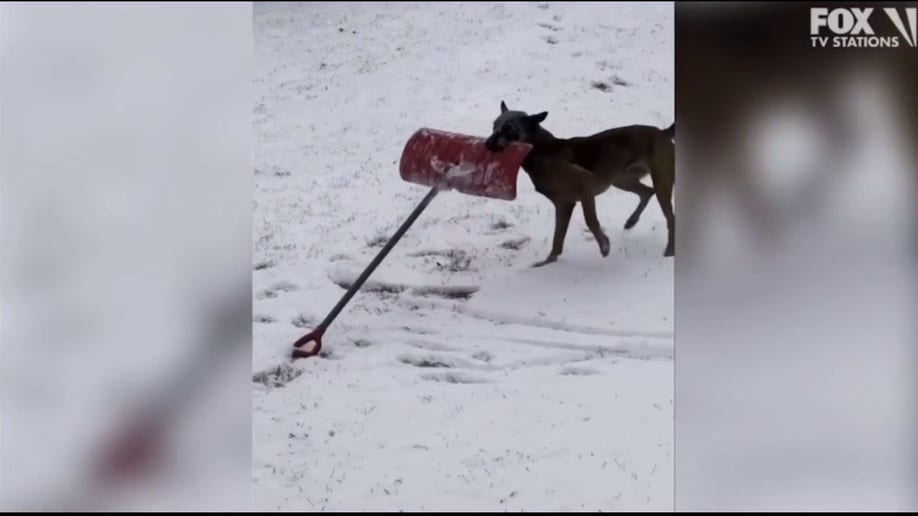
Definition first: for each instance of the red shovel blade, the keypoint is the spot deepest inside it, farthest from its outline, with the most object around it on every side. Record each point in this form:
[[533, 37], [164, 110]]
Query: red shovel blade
[[459, 162]]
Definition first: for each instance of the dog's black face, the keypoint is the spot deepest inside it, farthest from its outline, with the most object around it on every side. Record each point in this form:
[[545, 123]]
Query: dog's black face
[[513, 126]]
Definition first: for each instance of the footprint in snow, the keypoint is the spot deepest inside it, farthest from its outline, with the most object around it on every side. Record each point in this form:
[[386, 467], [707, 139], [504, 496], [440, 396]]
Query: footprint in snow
[[601, 86], [430, 346], [303, 321], [451, 260], [606, 65], [484, 356], [429, 361], [607, 86], [436, 361], [455, 377], [265, 264], [500, 225], [273, 291], [276, 377], [578, 371], [515, 244], [378, 241], [446, 292]]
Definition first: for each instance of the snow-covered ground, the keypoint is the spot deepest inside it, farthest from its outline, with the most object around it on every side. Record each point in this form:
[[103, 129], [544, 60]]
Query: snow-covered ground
[[547, 388]]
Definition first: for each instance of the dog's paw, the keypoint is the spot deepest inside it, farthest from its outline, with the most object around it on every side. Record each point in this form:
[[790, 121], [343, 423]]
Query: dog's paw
[[546, 261], [632, 221], [604, 245]]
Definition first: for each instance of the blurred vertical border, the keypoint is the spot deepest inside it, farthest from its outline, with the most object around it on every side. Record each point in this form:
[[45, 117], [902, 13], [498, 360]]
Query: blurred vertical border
[[795, 267], [125, 190]]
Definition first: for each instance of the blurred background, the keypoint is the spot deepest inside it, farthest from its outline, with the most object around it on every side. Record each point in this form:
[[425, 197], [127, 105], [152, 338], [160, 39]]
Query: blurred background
[[125, 189], [795, 271]]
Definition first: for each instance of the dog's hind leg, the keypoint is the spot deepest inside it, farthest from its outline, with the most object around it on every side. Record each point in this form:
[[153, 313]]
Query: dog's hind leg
[[663, 173], [589, 214], [563, 212], [664, 196], [634, 185]]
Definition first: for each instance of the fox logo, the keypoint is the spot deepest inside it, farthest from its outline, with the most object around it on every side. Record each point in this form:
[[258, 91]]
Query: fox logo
[[911, 13], [851, 27]]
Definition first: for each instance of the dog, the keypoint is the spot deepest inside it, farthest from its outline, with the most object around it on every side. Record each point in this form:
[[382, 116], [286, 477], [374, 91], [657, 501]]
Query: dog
[[572, 170]]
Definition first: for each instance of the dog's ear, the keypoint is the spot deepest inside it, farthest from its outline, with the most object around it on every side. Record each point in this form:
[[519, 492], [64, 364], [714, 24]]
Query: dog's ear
[[539, 118], [503, 107]]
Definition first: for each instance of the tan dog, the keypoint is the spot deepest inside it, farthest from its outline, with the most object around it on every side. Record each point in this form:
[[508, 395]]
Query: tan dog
[[568, 171]]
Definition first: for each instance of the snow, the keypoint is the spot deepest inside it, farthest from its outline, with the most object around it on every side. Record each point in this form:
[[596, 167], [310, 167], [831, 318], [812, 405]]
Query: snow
[[461, 378]]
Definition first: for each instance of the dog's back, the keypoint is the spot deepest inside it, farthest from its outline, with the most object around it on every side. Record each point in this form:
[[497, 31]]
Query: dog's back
[[629, 145]]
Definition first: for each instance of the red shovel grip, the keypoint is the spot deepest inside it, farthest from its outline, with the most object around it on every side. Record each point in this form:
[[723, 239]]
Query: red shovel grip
[[313, 336]]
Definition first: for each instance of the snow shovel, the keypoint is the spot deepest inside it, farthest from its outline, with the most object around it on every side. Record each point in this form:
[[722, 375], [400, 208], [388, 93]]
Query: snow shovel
[[443, 161]]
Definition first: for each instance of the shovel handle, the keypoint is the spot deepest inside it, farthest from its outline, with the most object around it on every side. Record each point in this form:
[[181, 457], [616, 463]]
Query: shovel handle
[[316, 334]]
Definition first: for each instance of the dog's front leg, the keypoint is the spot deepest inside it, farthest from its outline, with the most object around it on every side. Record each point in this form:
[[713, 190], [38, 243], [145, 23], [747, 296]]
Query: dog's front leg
[[582, 185], [563, 212], [589, 214]]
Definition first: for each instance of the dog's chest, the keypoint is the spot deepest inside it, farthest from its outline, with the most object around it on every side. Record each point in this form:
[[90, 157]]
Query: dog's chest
[[535, 172], [544, 181]]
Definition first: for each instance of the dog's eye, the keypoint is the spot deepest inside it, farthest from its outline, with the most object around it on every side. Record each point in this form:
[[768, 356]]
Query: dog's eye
[[509, 132]]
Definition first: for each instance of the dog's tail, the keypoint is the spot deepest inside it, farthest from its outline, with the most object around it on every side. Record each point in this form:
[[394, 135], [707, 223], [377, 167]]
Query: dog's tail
[[670, 131]]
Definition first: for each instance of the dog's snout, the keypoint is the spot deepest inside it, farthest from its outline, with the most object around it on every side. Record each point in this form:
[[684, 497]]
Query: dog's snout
[[494, 143]]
